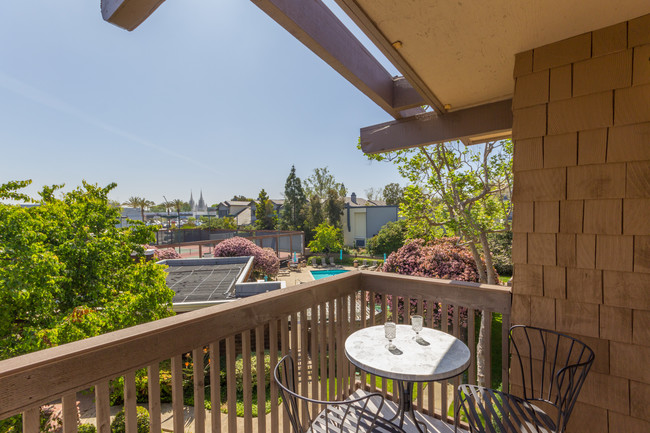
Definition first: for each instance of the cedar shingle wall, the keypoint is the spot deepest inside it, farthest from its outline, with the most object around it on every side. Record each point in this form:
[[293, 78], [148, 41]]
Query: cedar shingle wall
[[581, 242]]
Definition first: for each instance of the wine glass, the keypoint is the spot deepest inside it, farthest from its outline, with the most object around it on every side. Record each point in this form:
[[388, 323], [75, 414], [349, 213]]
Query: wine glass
[[416, 324], [390, 331]]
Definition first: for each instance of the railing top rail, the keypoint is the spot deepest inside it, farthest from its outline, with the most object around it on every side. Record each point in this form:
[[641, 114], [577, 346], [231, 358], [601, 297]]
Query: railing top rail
[[472, 295]]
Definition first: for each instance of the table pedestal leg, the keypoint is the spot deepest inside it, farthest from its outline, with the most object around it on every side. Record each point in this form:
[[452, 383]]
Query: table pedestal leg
[[406, 405]]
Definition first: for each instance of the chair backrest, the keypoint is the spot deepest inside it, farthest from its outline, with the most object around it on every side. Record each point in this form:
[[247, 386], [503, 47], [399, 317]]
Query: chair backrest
[[357, 415], [551, 367], [323, 262]]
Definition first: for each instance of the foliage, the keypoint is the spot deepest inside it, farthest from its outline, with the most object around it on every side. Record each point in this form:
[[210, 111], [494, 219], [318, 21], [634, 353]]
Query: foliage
[[374, 194], [327, 239], [119, 426], [321, 182], [163, 253], [393, 194], [293, 212], [241, 198], [439, 258], [501, 246], [314, 216], [334, 208], [265, 261], [139, 202], [389, 239], [265, 216], [87, 428], [67, 273], [224, 223]]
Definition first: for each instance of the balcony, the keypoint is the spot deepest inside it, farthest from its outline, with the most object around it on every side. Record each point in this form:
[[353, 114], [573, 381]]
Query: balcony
[[311, 320]]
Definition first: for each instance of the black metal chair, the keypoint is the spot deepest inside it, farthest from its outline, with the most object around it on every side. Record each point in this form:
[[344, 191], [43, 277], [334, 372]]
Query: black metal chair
[[362, 414], [549, 369]]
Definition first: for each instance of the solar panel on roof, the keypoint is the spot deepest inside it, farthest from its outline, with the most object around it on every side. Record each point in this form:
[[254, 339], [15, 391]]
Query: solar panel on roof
[[202, 283]]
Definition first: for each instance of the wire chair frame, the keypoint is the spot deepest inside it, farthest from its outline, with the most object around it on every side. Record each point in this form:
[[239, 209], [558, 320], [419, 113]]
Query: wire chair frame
[[353, 415], [564, 361]]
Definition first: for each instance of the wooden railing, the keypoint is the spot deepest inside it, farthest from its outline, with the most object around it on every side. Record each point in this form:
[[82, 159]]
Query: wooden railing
[[311, 320]]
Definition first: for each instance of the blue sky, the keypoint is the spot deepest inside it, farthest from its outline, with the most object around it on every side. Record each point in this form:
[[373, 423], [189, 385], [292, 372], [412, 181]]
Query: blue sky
[[210, 95]]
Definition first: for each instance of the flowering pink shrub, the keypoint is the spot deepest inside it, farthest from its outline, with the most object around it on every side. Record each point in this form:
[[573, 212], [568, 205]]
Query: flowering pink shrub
[[441, 258], [163, 253], [265, 261]]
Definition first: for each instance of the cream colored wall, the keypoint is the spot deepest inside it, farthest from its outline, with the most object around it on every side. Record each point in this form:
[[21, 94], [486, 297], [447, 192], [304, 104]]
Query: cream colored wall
[[581, 225], [349, 236]]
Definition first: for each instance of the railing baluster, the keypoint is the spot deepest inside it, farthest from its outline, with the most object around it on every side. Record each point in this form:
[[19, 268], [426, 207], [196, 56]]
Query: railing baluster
[[247, 380], [273, 352], [371, 297], [177, 393], [364, 323], [313, 327], [261, 378], [130, 403], [322, 343], [103, 407], [444, 319], [69, 408], [384, 312], [153, 390], [231, 384], [420, 400], [471, 343], [215, 388], [304, 348], [284, 336], [488, 344], [199, 390], [31, 420], [430, 385], [456, 323], [331, 351], [505, 352], [351, 323], [339, 345]]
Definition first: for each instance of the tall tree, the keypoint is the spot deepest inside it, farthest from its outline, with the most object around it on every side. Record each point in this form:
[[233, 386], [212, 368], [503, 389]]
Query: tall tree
[[66, 270], [321, 182], [265, 216], [295, 202], [374, 194], [314, 215], [333, 208], [393, 194], [241, 198], [459, 190]]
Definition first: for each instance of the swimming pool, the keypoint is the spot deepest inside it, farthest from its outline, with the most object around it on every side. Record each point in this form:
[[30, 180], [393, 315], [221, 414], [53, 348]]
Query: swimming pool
[[328, 273]]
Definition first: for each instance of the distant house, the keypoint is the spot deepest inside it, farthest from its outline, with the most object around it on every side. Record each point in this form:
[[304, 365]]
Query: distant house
[[242, 211], [362, 219]]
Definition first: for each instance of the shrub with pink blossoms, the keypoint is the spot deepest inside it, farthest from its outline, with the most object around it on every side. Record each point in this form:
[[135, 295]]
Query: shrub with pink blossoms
[[163, 253], [265, 261]]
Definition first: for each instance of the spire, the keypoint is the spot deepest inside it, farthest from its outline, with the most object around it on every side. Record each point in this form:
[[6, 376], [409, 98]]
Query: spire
[[192, 205], [201, 207]]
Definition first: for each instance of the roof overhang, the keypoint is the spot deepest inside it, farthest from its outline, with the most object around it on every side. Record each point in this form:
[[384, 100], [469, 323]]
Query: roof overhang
[[456, 57]]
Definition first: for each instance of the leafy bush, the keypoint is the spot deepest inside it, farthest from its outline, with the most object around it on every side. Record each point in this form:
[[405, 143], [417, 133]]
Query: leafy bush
[[163, 253], [265, 261], [389, 239], [118, 424], [87, 428], [440, 258], [501, 246], [327, 239]]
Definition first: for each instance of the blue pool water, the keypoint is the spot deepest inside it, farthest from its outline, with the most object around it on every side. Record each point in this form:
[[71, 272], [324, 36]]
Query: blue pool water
[[329, 273]]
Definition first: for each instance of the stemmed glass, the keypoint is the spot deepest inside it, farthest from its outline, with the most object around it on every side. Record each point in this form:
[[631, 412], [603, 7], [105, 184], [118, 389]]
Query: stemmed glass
[[416, 324], [390, 331]]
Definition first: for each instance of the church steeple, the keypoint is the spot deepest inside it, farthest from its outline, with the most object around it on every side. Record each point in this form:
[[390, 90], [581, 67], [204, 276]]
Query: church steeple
[[192, 204], [201, 206]]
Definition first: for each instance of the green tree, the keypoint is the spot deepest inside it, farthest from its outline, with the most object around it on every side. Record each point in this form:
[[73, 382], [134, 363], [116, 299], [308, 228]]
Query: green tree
[[265, 216], [374, 194], [389, 239], [461, 190], [66, 270], [241, 198], [295, 202], [327, 239], [314, 216], [225, 223], [393, 194], [139, 202], [333, 208], [321, 182]]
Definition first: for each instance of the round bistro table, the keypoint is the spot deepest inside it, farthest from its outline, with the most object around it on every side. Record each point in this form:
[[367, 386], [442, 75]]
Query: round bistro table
[[436, 355]]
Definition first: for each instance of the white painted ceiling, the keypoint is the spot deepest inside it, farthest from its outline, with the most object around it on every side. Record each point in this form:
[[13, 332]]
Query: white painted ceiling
[[463, 50]]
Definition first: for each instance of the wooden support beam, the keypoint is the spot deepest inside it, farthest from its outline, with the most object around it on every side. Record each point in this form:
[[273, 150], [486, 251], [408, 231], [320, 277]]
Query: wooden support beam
[[472, 125], [128, 14], [314, 24]]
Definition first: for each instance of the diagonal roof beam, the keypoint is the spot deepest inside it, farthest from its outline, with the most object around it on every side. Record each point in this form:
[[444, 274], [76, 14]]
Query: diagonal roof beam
[[471, 125], [316, 26], [128, 14]]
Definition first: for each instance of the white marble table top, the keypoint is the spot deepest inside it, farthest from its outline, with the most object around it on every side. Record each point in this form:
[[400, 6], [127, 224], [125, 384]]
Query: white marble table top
[[444, 357]]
